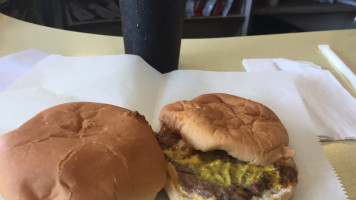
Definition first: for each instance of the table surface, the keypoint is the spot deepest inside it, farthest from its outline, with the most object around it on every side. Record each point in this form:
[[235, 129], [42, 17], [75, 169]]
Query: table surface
[[218, 54]]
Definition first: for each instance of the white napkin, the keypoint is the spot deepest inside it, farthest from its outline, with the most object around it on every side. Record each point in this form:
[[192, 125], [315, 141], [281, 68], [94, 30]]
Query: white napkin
[[128, 81], [330, 106], [14, 66]]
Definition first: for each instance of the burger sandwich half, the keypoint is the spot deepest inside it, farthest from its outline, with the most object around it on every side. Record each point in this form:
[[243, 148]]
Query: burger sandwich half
[[82, 151], [223, 147]]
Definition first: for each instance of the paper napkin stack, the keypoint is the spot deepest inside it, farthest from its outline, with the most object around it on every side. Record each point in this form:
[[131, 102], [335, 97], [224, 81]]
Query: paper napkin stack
[[330, 106]]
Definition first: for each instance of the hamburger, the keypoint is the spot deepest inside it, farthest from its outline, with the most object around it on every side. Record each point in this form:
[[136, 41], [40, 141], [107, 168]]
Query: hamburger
[[223, 147], [82, 151]]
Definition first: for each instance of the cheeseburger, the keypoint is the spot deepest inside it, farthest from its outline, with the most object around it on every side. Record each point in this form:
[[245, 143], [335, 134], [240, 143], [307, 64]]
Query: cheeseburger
[[224, 147], [82, 151]]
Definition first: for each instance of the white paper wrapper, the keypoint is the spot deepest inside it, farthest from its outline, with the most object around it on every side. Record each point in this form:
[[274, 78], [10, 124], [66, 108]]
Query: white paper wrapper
[[332, 108], [14, 66], [129, 82]]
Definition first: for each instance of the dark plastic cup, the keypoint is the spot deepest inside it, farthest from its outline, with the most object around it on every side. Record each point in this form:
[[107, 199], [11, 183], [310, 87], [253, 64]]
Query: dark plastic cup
[[152, 29]]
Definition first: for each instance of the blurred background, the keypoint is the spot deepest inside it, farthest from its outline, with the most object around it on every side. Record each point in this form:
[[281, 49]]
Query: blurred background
[[203, 18]]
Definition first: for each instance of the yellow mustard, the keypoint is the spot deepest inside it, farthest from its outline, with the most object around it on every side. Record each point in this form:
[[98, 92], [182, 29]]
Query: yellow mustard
[[210, 166]]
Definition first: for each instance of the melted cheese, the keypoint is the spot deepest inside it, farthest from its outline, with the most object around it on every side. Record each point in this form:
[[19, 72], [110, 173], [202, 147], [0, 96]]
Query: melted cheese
[[210, 166]]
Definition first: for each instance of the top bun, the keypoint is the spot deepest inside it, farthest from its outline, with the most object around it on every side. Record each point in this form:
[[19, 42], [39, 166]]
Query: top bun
[[247, 130], [82, 151]]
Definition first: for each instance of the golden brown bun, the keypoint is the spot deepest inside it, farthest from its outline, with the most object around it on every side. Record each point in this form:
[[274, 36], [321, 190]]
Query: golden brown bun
[[174, 194], [277, 194], [86, 151], [271, 194], [247, 130]]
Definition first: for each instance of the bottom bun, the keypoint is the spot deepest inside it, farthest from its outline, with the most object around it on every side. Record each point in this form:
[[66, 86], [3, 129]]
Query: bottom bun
[[277, 194], [173, 193], [272, 194]]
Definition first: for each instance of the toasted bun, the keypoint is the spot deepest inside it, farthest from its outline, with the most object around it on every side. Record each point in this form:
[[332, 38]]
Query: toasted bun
[[247, 130], [82, 151], [173, 193], [272, 194], [277, 194]]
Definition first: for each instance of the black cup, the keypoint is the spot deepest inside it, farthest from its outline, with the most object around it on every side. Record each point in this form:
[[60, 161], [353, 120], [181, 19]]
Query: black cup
[[152, 29]]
